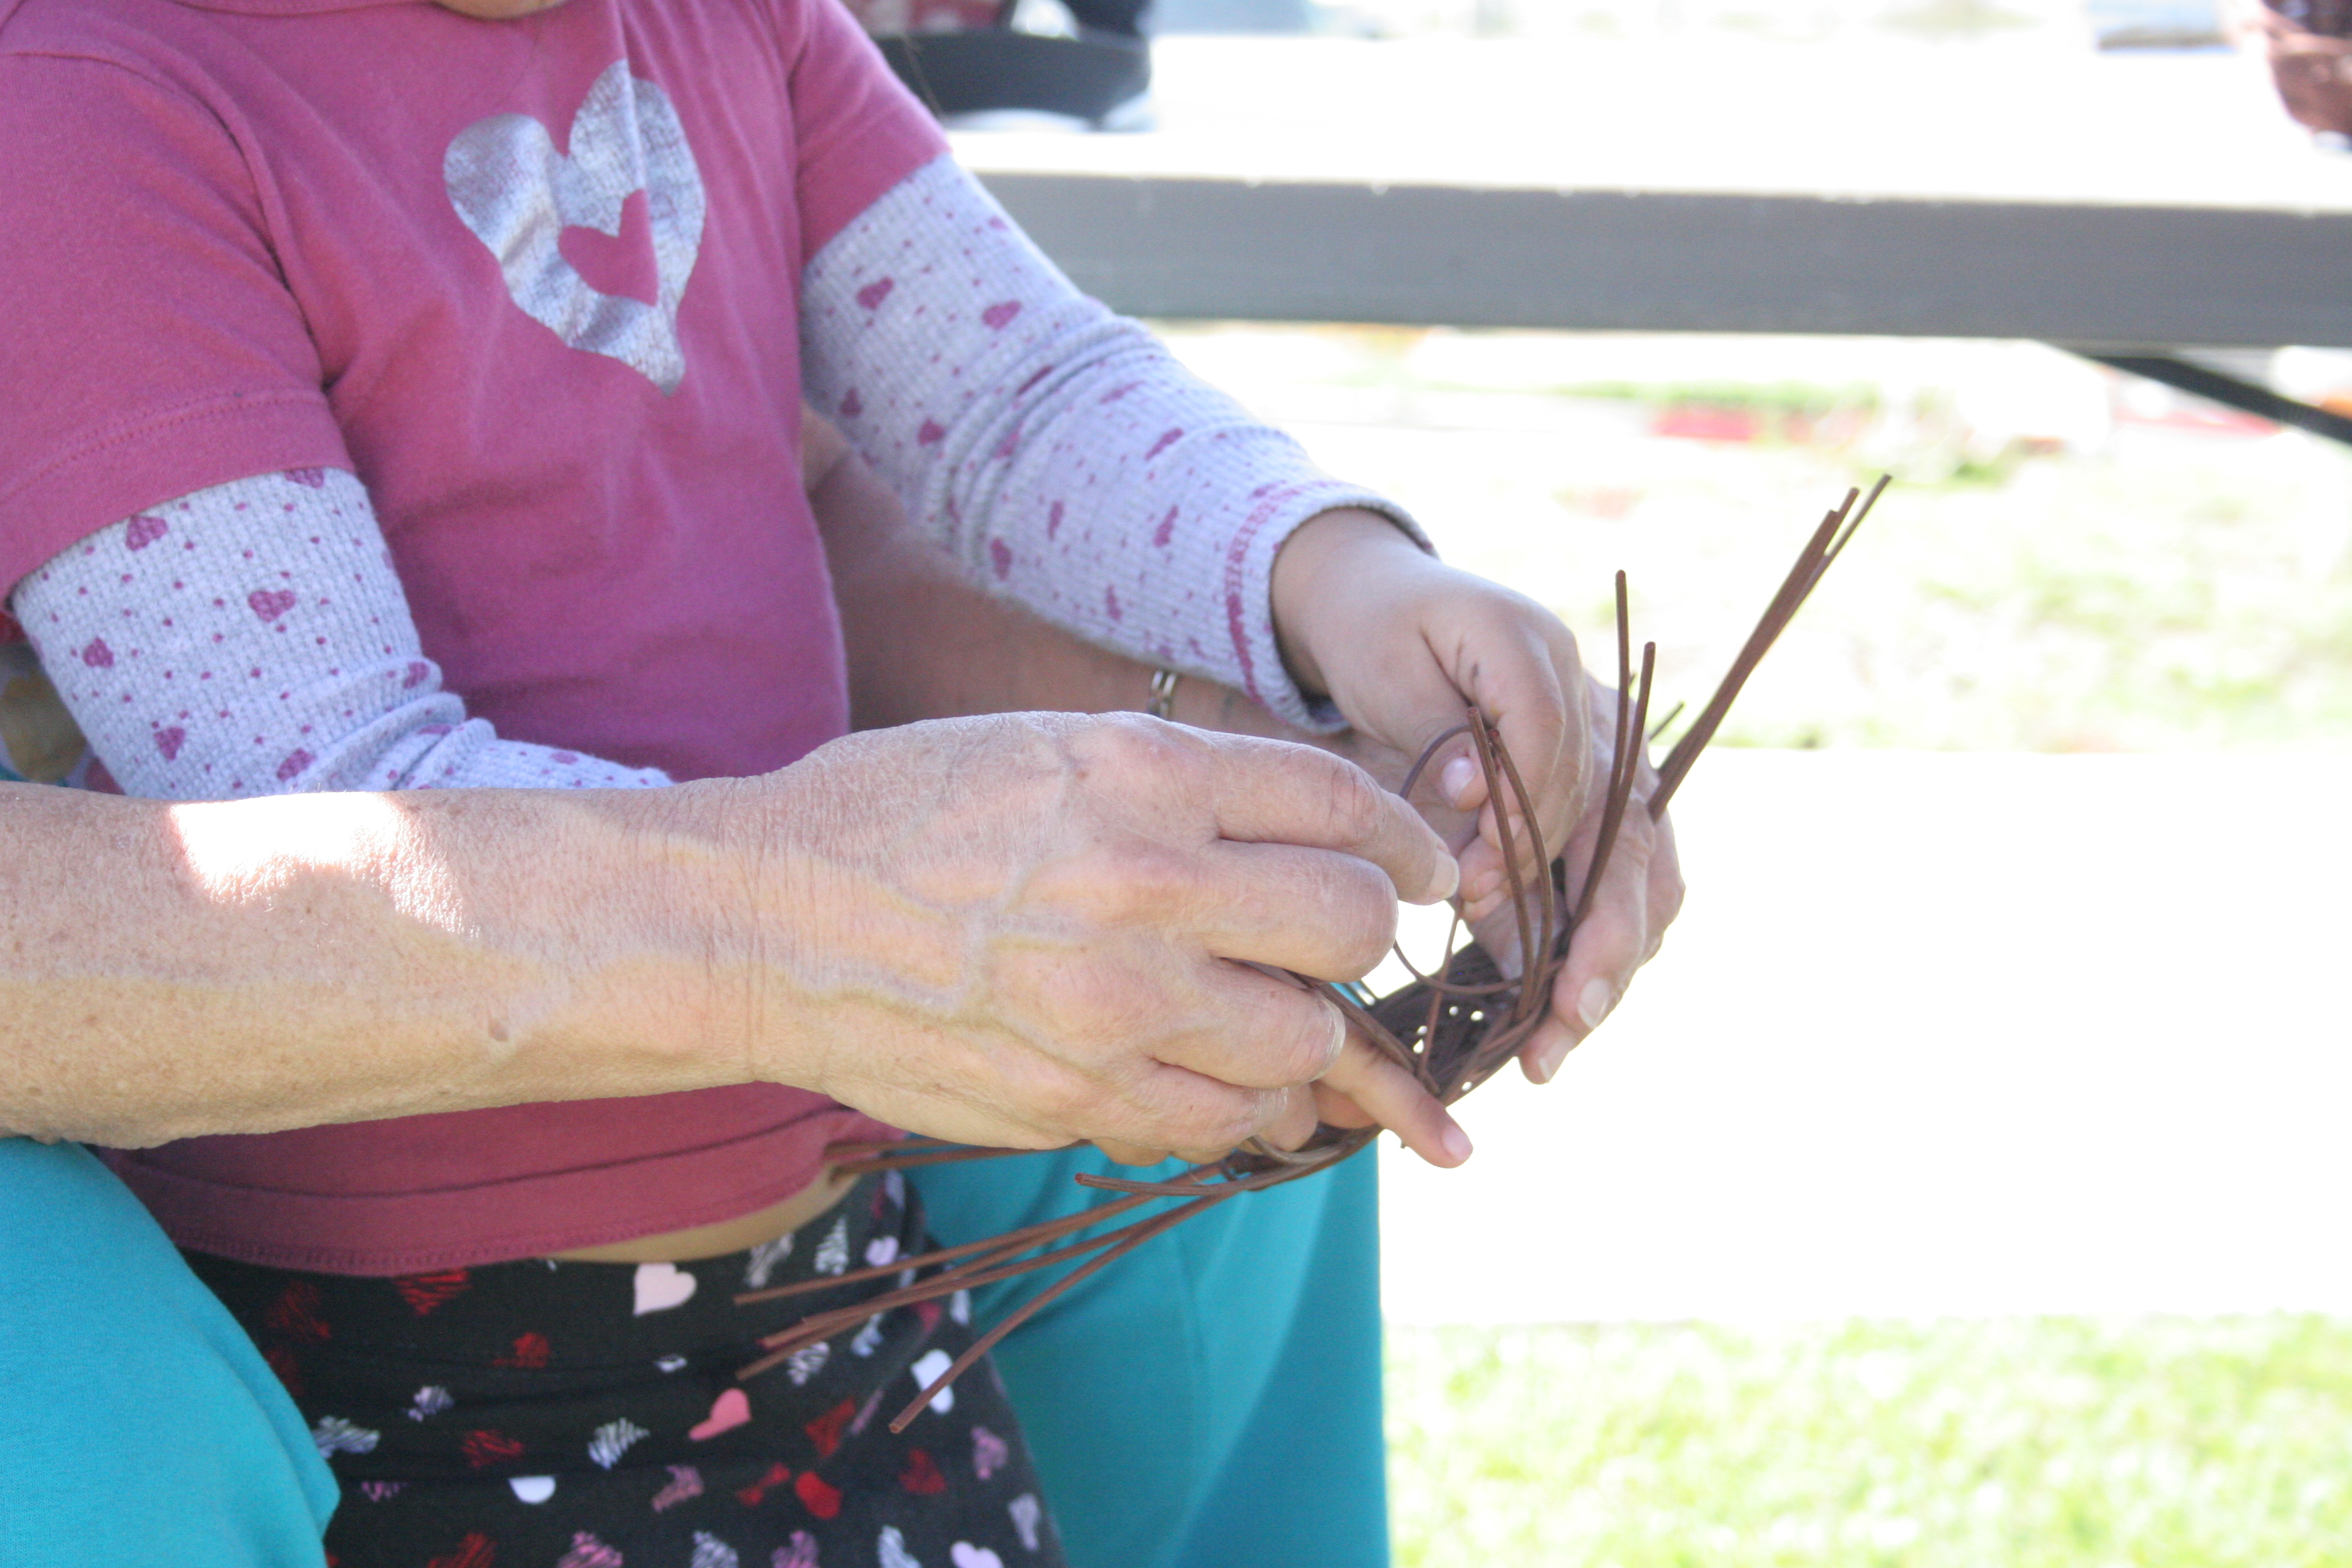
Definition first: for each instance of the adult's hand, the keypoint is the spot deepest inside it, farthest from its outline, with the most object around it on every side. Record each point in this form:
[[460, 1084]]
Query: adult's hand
[[1030, 929], [1399, 642]]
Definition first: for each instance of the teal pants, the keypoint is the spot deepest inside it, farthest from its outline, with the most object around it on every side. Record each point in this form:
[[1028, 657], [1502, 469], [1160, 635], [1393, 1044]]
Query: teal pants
[[138, 1424], [1212, 1400]]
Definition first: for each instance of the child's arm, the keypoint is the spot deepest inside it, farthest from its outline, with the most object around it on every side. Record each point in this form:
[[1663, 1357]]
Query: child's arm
[[253, 639], [1064, 459], [1058, 451]]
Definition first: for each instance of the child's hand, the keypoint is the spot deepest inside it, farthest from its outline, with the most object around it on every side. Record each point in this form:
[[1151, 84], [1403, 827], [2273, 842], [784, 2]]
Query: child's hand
[[1401, 642]]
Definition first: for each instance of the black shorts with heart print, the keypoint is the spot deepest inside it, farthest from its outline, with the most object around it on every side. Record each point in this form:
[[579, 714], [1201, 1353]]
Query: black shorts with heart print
[[544, 1415]]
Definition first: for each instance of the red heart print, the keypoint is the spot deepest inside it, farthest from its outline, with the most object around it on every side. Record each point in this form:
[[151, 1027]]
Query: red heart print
[[295, 1313], [851, 405], [281, 1361], [921, 1476], [874, 293], [489, 1448], [97, 656], [309, 478], [142, 531], [1000, 313], [827, 1429], [423, 1293], [271, 602], [930, 434], [531, 1351], [820, 1499], [295, 761], [750, 1496], [169, 741], [476, 1551]]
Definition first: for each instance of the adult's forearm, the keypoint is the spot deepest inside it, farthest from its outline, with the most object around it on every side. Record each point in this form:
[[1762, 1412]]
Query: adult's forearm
[[167, 970]]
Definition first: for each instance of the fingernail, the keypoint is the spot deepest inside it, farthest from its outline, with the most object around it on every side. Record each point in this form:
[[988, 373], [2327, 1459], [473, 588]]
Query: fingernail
[[1456, 780], [1548, 1063], [1455, 1142], [1446, 880], [1593, 1003]]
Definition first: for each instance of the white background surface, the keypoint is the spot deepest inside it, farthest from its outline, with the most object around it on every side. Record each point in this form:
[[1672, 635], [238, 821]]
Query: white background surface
[[1939, 1034], [2032, 125]]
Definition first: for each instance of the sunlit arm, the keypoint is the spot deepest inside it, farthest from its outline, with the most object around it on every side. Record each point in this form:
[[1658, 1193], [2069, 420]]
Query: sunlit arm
[[168, 969]]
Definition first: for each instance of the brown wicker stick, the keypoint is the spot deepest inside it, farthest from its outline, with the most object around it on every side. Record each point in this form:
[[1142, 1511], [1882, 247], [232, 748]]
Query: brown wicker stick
[[985, 1271], [1828, 542], [1045, 1298], [1454, 1028], [1792, 592]]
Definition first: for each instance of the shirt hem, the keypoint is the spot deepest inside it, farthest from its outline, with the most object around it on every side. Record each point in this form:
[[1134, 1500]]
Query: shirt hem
[[120, 472], [382, 1235]]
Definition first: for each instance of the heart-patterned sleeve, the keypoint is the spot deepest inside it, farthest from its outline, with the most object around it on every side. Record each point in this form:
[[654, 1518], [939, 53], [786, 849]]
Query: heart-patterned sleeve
[[252, 638], [1058, 451]]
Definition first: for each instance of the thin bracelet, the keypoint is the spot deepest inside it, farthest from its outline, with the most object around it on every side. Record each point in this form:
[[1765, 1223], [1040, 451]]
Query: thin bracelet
[[1163, 694]]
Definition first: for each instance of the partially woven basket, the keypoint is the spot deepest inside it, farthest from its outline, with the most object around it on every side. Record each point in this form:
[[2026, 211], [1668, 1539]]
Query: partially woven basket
[[1453, 1029]]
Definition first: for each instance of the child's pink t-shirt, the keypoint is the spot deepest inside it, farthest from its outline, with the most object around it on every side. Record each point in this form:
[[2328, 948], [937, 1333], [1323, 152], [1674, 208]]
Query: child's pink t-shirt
[[535, 282]]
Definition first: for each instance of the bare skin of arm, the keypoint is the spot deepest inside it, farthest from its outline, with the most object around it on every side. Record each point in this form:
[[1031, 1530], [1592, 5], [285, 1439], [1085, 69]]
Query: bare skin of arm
[[167, 971]]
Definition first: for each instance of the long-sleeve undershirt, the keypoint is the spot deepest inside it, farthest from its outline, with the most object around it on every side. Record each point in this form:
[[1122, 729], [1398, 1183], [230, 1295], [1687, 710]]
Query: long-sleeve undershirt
[[1056, 451]]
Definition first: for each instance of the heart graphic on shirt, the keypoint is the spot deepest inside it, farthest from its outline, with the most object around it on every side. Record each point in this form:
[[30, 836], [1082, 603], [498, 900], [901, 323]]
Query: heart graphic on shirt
[[661, 1286], [517, 194], [964, 1554], [142, 531], [729, 1411]]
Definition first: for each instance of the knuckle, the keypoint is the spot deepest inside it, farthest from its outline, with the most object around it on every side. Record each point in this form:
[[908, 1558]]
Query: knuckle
[[1144, 881], [1361, 923], [1297, 1044], [1352, 801], [1127, 744]]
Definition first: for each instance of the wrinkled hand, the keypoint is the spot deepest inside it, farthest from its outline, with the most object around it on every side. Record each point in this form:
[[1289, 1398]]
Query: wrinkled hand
[[1031, 929], [1401, 642], [1639, 894]]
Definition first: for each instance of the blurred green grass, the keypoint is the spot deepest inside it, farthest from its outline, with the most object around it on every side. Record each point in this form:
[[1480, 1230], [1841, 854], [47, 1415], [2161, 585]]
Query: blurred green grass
[[2068, 561], [2037, 1443]]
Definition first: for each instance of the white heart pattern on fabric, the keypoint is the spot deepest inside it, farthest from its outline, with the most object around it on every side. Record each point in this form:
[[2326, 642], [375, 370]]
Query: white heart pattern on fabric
[[658, 1287], [532, 1488], [890, 1550], [964, 1554], [517, 194], [928, 1368], [1028, 1512]]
